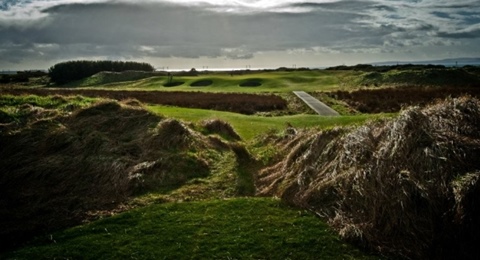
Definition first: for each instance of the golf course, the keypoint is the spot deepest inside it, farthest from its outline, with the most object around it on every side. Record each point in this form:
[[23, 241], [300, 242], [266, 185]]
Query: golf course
[[147, 164]]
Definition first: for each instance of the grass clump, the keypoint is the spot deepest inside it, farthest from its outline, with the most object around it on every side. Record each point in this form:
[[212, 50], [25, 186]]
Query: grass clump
[[62, 168], [404, 186], [222, 128], [219, 229]]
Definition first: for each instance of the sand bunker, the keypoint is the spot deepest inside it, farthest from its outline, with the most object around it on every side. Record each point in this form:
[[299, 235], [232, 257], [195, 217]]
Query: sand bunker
[[201, 83]]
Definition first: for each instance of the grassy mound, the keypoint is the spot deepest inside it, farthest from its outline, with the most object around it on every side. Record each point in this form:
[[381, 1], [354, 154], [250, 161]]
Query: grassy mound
[[107, 77], [59, 167], [221, 128], [202, 83], [405, 187]]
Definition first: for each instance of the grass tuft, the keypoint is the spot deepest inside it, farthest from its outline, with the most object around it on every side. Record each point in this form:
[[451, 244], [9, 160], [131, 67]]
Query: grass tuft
[[404, 186]]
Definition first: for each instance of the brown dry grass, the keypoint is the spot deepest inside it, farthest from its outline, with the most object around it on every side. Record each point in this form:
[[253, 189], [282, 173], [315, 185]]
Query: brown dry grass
[[59, 168], [405, 187], [239, 103], [221, 128], [388, 100]]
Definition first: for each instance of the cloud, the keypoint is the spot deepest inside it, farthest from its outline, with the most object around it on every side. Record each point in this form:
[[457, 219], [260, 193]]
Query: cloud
[[173, 30], [469, 32], [51, 30]]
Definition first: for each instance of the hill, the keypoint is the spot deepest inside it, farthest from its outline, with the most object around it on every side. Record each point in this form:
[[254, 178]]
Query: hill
[[64, 161], [405, 186]]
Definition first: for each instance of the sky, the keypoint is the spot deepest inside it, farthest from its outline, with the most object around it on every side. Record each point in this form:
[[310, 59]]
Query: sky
[[183, 34]]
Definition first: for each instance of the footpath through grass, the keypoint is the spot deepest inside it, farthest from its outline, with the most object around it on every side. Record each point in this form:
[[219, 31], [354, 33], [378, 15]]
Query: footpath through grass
[[244, 228]]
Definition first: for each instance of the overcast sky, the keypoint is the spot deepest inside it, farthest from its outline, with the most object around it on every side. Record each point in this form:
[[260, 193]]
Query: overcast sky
[[235, 33]]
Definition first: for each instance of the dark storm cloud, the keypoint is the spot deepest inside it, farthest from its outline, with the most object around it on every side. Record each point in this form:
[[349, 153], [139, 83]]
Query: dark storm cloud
[[468, 33], [180, 31], [68, 29]]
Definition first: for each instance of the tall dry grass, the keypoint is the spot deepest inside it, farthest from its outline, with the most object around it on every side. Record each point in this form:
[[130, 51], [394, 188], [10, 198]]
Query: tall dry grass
[[405, 187], [58, 168]]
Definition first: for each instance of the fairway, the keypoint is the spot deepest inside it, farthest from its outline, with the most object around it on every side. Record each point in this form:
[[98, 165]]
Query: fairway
[[250, 126], [264, 81]]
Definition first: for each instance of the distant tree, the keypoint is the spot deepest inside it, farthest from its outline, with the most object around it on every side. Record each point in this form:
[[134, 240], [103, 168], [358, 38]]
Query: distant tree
[[5, 79], [65, 72]]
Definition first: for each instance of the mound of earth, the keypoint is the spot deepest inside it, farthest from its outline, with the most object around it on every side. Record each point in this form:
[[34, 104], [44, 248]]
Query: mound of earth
[[202, 83], [406, 187], [221, 128], [57, 168], [251, 83]]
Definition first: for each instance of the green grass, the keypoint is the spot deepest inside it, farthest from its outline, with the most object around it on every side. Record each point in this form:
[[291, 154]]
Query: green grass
[[45, 102], [243, 228], [276, 81], [250, 126], [12, 108]]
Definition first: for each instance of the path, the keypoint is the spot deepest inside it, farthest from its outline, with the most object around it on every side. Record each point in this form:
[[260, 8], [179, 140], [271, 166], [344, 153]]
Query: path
[[315, 104]]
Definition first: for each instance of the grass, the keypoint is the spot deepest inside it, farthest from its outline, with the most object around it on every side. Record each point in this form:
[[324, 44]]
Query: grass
[[243, 228], [13, 108], [276, 81], [250, 126], [45, 102]]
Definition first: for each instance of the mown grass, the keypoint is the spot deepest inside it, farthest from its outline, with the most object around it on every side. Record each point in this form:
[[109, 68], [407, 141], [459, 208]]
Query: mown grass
[[250, 126], [274, 81], [243, 228]]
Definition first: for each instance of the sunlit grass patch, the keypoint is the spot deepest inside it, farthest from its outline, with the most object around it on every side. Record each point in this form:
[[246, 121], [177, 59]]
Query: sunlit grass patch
[[250, 126]]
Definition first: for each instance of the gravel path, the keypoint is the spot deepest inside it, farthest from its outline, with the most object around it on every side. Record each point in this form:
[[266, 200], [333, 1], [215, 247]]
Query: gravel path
[[315, 104]]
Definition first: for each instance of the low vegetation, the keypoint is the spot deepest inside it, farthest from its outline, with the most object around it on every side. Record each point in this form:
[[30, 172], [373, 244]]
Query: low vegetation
[[240, 103], [404, 187], [390, 100], [65, 161]]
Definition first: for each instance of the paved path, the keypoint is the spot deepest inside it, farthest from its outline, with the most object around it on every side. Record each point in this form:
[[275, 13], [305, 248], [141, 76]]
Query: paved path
[[315, 104]]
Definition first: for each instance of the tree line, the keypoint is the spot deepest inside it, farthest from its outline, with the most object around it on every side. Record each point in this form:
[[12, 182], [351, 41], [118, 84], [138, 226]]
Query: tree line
[[21, 76], [386, 68], [65, 72]]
